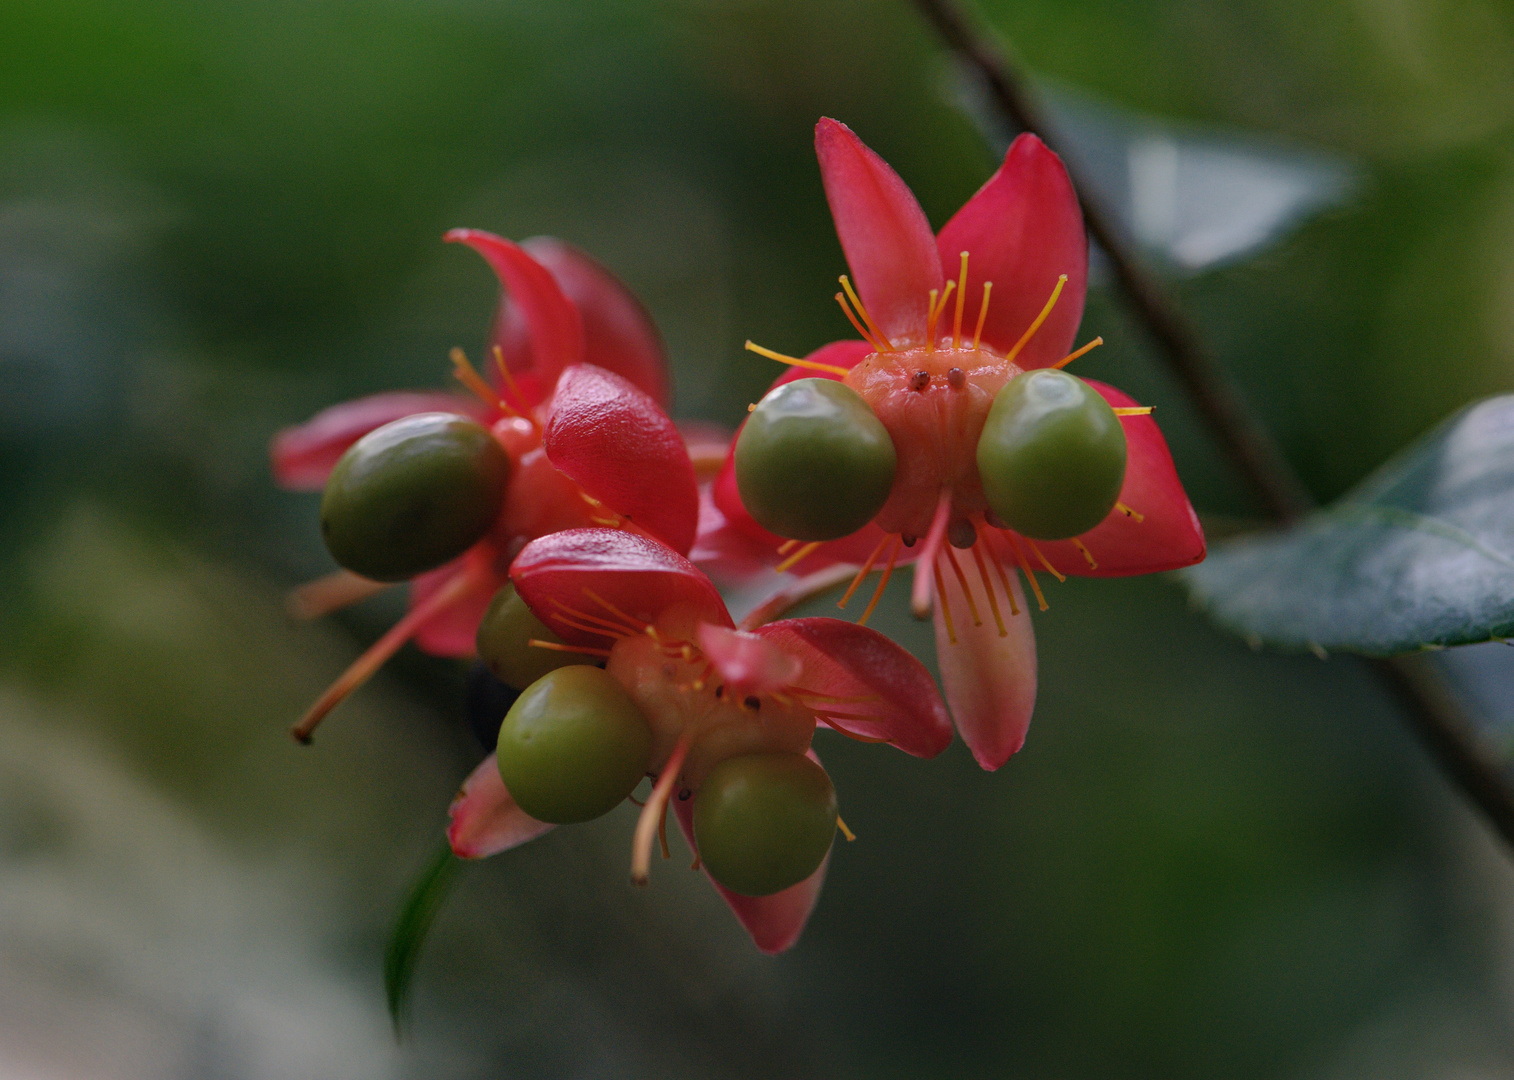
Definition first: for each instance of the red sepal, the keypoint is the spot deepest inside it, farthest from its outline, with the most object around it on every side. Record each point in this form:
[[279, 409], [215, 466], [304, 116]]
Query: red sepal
[[623, 450], [638, 576]]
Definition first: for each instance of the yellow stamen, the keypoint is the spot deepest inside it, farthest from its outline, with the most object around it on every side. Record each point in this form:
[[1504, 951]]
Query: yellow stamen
[[510, 384], [972, 606], [1144, 410], [850, 836], [631, 620], [1050, 569], [879, 335], [961, 296], [795, 361], [585, 617], [846, 308], [803, 553], [573, 623], [1128, 512], [982, 314], [988, 587], [888, 572], [1088, 555], [787, 546], [946, 610], [862, 573], [1035, 586], [1070, 357], [464, 373], [536, 643], [1041, 318], [930, 320], [1014, 608]]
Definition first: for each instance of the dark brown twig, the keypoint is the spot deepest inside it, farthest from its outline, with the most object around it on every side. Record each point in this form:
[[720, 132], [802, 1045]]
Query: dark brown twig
[[1432, 710]]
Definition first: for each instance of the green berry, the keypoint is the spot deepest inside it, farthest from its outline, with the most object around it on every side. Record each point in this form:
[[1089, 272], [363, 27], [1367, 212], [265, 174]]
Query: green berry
[[504, 637], [412, 495], [1052, 455], [573, 746], [813, 461], [763, 822]]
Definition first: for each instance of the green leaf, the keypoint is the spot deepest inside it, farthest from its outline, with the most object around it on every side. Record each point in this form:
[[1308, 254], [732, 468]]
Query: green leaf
[[402, 954], [1419, 555]]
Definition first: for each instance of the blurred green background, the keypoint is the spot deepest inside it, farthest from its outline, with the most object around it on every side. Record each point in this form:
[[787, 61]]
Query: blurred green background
[[216, 219]]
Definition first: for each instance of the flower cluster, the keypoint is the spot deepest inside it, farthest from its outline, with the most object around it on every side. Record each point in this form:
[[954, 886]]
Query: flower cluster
[[548, 524]]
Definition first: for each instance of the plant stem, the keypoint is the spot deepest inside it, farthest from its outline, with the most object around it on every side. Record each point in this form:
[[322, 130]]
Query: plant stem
[[1430, 706]]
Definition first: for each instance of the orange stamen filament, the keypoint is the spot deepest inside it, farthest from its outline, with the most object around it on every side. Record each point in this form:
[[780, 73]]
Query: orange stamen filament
[[988, 287], [850, 836], [613, 610], [1041, 318], [888, 572], [794, 361], [1128, 512], [464, 373], [511, 386], [930, 320], [846, 308], [961, 296], [882, 338], [1050, 569], [621, 630], [946, 609], [803, 553], [862, 573], [787, 546], [364, 666], [1030, 575], [589, 628], [536, 643], [919, 601], [331, 593], [988, 587], [647, 825], [1087, 555], [972, 605], [1144, 410], [1014, 608], [1070, 357]]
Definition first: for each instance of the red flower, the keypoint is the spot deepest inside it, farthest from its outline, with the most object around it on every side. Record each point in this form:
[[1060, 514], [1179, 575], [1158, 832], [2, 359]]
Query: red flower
[[929, 367], [708, 690], [580, 413]]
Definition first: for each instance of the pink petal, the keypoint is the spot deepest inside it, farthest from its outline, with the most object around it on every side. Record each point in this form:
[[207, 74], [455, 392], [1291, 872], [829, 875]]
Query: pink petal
[[1170, 536], [619, 335], [749, 663], [990, 681], [638, 576], [887, 241], [775, 922], [867, 685], [451, 632], [485, 819], [1022, 229], [303, 455], [556, 330], [624, 451]]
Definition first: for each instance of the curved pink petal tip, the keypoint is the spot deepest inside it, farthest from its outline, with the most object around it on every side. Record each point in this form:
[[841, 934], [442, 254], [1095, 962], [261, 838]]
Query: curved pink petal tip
[[1021, 231], [485, 819], [884, 233], [748, 663], [990, 681], [555, 329]]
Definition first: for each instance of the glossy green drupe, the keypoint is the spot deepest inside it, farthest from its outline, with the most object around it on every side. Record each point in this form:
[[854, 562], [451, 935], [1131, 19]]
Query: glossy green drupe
[[813, 461], [1052, 455], [573, 746], [412, 495], [504, 634], [763, 822]]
